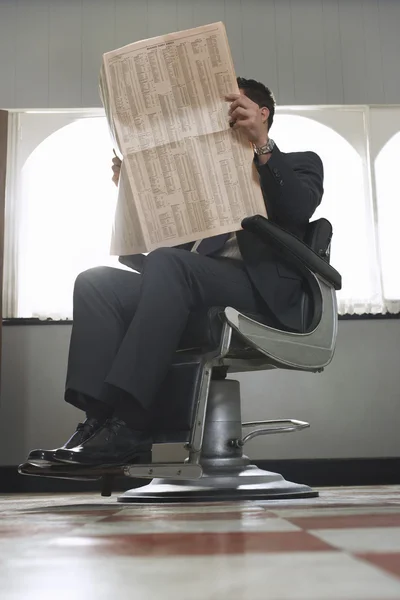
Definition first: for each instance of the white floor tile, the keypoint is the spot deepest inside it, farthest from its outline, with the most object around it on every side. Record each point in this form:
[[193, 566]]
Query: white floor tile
[[377, 539], [288, 513], [170, 526], [247, 507], [307, 576]]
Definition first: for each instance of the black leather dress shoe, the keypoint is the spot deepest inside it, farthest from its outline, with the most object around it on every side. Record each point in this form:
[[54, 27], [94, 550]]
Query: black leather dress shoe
[[113, 444], [83, 432]]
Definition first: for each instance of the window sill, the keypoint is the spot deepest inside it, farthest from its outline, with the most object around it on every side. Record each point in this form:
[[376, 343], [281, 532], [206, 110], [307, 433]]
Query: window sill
[[364, 317], [10, 322], [18, 322]]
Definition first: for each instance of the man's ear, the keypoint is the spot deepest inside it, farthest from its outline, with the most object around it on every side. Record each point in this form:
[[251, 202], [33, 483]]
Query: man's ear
[[264, 114]]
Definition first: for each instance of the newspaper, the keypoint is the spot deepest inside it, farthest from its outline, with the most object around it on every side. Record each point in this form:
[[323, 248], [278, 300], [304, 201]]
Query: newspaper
[[186, 175]]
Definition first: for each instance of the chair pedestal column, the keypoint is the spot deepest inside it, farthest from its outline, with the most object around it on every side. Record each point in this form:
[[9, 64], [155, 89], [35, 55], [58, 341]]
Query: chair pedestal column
[[227, 472], [223, 424]]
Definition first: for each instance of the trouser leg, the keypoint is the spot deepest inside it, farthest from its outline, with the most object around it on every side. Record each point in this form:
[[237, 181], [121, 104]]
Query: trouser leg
[[127, 327], [174, 283], [105, 300]]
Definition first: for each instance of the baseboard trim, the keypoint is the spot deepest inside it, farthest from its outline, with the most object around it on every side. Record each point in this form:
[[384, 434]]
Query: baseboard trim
[[313, 472], [328, 472]]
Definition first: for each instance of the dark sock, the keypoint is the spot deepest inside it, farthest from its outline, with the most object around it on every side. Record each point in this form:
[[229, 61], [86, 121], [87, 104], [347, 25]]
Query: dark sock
[[129, 410], [96, 409]]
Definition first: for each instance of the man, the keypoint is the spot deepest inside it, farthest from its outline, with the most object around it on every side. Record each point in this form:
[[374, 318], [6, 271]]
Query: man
[[127, 326]]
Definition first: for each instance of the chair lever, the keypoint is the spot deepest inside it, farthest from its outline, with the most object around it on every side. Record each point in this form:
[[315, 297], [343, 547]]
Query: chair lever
[[277, 426]]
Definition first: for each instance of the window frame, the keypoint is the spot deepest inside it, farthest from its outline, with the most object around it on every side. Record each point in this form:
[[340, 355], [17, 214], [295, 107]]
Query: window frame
[[307, 111]]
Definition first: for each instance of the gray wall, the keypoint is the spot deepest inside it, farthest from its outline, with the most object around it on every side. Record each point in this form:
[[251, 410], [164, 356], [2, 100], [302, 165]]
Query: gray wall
[[309, 52], [354, 407]]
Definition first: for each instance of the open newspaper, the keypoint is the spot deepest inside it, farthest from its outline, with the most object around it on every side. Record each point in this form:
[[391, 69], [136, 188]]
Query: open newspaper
[[186, 175]]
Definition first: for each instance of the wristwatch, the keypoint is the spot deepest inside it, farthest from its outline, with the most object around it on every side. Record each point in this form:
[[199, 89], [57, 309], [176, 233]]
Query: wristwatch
[[266, 149]]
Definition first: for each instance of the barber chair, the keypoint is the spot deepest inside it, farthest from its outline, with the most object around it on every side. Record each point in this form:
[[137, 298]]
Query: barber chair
[[199, 407]]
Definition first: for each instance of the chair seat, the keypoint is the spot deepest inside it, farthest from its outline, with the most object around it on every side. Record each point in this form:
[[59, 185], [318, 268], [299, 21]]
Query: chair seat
[[204, 329]]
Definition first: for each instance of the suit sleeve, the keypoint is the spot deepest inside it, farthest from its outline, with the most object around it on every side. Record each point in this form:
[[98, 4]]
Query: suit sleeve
[[292, 188]]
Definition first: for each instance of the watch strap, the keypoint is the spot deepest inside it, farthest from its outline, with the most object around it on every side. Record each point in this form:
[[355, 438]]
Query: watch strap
[[265, 149]]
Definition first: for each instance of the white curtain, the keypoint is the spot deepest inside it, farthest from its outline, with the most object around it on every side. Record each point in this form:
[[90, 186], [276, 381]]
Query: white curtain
[[60, 202], [384, 125], [12, 220]]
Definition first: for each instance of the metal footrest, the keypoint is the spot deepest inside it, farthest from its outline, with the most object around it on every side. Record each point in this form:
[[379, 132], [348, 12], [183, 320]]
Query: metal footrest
[[164, 471], [149, 471]]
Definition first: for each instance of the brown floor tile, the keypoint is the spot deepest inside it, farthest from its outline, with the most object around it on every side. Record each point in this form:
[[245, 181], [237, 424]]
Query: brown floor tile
[[61, 512], [27, 530], [200, 516], [187, 544], [388, 561], [347, 521]]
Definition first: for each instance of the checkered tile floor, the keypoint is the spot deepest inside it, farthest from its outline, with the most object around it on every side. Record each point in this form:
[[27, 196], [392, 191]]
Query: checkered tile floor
[[344, 545]]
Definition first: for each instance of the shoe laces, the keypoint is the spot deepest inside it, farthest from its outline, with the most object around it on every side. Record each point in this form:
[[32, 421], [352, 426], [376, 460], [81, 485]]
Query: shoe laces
[[113, 425], [88, 426]]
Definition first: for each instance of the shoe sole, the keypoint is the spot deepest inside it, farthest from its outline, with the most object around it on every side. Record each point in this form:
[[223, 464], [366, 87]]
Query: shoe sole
[[53, 471], [40, 463], [75, 473], [41, 458], [139, 457]]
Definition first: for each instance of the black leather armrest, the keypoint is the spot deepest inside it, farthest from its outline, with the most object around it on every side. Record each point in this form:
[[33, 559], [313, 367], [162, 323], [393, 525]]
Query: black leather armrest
[[292, 248]]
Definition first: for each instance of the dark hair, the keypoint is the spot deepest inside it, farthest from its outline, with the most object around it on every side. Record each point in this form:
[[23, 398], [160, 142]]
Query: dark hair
[[260, 94]]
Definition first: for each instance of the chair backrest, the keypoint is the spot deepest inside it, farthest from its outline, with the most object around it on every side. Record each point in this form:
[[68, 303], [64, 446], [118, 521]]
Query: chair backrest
[[318, 237]]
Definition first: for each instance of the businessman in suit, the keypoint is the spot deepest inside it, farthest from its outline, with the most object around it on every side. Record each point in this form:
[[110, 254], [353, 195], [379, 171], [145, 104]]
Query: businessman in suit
[[127, 326]]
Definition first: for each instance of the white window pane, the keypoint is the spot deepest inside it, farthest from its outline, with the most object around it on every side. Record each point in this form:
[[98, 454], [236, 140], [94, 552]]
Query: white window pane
[[346, 204], [388, 194], [68, 207]]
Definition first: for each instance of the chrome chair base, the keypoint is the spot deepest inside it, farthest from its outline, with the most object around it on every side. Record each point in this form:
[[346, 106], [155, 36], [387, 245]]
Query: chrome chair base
[[247, 483], [225, 473]]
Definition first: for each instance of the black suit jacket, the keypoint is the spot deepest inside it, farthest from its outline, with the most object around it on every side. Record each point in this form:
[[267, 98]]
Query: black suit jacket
[[292, 187]]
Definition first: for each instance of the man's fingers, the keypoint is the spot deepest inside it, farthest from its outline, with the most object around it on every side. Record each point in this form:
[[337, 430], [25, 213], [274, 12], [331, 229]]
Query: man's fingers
[[116, 169], [232, 97], [241, 101], [240, 123], [232, 107], [240, 113], [239, 117], [236, 103]]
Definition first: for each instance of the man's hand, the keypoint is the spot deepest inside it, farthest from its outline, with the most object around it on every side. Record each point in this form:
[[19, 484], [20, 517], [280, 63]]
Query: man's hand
[[247, 116], [116, 169]]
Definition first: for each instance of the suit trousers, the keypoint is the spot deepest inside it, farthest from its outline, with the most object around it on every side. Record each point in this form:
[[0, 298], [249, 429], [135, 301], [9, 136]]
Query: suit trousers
[[127, 326]]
